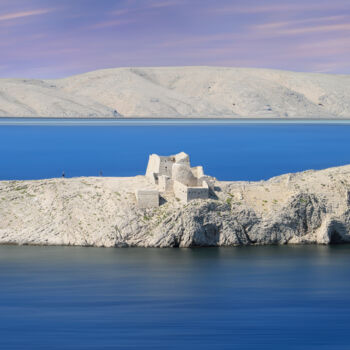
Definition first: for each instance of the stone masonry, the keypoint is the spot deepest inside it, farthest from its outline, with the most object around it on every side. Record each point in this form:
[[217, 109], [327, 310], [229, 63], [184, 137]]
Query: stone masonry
[[174, 174]]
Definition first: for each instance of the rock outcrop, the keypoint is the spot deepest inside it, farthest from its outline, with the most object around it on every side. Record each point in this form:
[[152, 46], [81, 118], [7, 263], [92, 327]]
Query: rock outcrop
[[311, 207]]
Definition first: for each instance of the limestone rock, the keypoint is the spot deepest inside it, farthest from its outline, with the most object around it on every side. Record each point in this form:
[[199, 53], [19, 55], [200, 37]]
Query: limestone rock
[[179, 92], [310, 208]]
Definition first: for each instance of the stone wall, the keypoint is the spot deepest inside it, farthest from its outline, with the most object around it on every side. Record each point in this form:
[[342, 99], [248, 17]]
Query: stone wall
[[197, 171], [165, 166], [153, 166], [198, 192], [147, 198], [165, 184], [183, 173], [180, 191], [159, 165], [186, 194]]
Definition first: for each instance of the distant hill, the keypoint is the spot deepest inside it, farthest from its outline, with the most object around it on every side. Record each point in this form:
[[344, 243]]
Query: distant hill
[[180, 92]]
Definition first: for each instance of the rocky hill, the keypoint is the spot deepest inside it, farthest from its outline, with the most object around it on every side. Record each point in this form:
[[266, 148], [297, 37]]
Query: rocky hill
[[180, 92], [311, 207]]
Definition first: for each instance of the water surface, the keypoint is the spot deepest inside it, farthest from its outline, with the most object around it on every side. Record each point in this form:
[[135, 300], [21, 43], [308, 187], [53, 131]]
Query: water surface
[[215, 298], [228, 150]]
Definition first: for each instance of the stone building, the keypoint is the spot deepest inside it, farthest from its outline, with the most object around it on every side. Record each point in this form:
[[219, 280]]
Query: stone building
[[174, 174]]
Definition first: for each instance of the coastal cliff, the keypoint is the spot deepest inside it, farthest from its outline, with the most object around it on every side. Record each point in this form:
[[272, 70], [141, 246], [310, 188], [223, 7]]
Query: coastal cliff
[[179, 92], [311, 207]]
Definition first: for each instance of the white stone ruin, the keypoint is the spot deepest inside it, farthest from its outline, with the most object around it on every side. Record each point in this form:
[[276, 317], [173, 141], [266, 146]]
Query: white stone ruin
[[174, 174]]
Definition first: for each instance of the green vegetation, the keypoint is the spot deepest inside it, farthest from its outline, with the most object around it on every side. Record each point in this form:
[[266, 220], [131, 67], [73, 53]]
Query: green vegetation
[[21, 188]]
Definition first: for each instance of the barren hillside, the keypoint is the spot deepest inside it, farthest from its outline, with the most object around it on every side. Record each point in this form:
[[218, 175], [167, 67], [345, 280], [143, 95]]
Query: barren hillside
[[180, 92]]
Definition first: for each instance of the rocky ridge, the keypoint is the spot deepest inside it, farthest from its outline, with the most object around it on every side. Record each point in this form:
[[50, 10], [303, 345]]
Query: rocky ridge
[[311, 207], [179, 92]]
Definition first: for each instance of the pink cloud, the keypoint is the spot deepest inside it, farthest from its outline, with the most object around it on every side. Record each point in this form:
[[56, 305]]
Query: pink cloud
[[317, 29], [318, 25], [276, 25], [120, 12], [112, 23], [160, 4], [279, 8], [149, 5], [16, 15], [201, 39], [330, 67]]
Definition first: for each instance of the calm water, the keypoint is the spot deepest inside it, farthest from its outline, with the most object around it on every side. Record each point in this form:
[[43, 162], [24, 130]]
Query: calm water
[[230, 298], [227, 151], [226, 298]]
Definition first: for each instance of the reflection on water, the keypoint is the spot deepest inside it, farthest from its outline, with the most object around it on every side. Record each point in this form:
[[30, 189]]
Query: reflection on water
[[244, 298]]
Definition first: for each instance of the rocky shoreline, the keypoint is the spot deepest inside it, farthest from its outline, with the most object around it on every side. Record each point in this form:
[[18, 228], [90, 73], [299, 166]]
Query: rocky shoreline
[[311, 207]]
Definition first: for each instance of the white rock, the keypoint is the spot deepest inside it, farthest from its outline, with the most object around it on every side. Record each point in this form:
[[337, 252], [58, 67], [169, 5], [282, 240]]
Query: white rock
[[312, 208], [180, 92]]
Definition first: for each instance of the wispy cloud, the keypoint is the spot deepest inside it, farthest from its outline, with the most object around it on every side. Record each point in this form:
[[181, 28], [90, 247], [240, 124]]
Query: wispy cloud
[[317, 29], [255, 9], [279, 8], [335, 47], [269, 30], [169, 3], [118, 17], [329, 67], [307, 26], [16, 15], [86, 35], [293, 23], [201, 39], [342, 43], [112, 23], [121, 12], [147, 6]]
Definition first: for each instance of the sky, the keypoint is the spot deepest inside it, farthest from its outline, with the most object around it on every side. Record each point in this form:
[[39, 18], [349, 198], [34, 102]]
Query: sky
[[58, 38]]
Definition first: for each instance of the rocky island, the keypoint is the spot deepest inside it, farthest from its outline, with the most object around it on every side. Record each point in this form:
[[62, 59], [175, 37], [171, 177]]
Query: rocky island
[[176, 205]]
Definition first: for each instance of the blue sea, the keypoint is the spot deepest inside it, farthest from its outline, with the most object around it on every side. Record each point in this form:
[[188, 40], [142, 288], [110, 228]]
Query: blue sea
[[228, 150], [206, 298], [216, 298]]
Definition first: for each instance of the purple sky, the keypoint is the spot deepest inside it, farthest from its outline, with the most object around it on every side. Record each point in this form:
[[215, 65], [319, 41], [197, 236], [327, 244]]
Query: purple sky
[[49, 39]]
